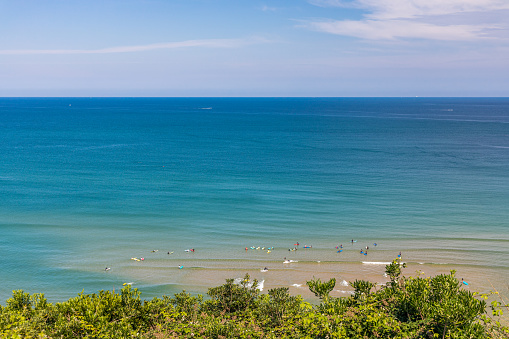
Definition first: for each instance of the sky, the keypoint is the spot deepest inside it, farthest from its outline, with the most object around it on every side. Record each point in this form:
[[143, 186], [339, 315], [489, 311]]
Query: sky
[[251, 48]]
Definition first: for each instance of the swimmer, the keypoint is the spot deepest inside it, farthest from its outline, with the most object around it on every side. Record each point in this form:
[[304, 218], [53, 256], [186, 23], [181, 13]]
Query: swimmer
[[107, 269]]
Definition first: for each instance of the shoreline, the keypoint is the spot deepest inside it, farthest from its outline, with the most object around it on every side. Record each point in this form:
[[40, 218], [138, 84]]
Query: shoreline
[[197, 277]]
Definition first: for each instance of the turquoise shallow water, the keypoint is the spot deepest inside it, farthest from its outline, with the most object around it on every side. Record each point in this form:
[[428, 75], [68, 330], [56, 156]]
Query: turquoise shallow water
[[87, 183]]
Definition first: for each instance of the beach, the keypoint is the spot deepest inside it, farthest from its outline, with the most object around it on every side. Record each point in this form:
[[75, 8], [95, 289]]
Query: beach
[[161, 272]]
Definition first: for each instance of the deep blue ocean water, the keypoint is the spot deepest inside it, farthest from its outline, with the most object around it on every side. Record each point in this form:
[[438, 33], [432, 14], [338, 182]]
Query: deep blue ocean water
[[88, 183]]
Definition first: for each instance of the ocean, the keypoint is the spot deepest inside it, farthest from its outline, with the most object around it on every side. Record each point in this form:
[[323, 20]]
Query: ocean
[[90, 183]]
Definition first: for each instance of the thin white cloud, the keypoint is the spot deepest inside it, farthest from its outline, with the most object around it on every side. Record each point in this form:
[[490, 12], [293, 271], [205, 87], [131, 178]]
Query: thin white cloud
[[266, 8], [212, 43], [393, 29], [392, 19]]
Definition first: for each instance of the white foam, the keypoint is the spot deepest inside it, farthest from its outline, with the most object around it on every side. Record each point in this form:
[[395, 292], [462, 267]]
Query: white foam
[[344, 283], [297, 285], [259, 287], [345, 292], [376, 262]]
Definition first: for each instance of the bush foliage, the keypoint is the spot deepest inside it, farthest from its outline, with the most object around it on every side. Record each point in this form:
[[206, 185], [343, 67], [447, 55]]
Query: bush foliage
[[435, 307]]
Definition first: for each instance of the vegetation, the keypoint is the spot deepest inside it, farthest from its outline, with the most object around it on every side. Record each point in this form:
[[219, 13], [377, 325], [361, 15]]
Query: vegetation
[[417, 307]]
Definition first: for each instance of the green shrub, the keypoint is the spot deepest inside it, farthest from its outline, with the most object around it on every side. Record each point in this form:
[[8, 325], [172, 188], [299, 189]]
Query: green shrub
[[232, 298], [436, 307], [321, 289]]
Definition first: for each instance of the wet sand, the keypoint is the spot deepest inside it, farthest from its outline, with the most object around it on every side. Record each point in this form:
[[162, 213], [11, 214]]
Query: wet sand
[[200, 273]]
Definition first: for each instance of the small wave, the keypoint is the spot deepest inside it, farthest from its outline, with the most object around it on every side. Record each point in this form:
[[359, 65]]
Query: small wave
[[90, 148], [376, 262], [296, 285], [205, 108], [345, 292], [495, 146]]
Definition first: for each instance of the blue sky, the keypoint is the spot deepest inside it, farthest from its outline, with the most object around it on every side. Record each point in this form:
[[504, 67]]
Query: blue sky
[[254, 48]]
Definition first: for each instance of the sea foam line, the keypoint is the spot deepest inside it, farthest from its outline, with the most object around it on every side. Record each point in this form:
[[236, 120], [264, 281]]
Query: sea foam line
[[376, 262]]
